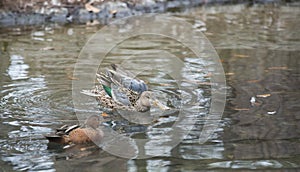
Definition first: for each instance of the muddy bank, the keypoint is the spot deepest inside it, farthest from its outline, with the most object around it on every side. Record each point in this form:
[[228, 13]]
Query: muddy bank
[[36, 12]]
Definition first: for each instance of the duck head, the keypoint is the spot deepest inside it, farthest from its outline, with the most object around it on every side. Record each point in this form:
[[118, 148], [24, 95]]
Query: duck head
[[146, 100]]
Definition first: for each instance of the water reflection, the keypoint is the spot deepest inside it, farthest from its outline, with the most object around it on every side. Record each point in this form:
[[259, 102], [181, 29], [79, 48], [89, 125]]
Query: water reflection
[[247, 164], [154, 59], [31, 98], [262, 65], [17, 69]]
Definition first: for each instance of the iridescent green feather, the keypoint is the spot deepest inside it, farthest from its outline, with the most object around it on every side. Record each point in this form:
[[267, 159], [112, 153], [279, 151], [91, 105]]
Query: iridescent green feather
[[107, 90]]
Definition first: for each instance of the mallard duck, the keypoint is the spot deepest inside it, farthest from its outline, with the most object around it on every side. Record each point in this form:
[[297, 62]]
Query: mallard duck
[[119, 89], [78, 135]]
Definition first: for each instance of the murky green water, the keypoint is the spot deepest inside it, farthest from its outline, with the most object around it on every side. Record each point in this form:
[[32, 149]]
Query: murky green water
[[259, 49]]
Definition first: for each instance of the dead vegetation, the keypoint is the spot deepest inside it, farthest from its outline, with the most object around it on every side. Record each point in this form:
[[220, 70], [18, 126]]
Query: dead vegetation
[[30, 5]]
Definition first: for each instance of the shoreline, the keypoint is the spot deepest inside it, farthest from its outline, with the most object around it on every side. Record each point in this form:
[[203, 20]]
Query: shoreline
[[77, 13]]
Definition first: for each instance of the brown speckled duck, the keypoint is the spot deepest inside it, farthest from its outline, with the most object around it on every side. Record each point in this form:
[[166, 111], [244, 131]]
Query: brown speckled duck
[[119, 89], [75, 134]]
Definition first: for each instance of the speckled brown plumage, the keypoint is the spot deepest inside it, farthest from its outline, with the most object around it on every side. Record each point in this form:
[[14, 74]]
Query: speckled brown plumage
[[120, 89], [78, 135]]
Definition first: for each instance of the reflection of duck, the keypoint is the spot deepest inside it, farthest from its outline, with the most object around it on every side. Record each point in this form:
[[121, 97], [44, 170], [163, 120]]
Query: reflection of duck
[[77, 135], [120, 90]]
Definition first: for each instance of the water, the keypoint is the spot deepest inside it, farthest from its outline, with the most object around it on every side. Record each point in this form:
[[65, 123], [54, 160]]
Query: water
[[258, 46]]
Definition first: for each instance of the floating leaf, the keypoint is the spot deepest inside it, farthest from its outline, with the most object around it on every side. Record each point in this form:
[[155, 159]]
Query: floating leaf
[[229, 73], [89, 7], [113, 11], [263, 95], [164, 84], [240, 55], [104, 114], [253, 81], [278, 68], [47, 48], [71, 77], [241, 109]]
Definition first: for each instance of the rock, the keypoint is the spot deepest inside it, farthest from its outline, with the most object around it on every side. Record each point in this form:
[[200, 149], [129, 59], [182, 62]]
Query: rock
[[37, 11]]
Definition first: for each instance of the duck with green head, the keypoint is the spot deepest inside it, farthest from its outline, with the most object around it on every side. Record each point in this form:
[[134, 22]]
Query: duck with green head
[[119, 89]]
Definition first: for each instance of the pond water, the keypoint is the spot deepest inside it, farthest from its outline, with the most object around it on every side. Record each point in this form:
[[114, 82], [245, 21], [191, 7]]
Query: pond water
[[258, 47]]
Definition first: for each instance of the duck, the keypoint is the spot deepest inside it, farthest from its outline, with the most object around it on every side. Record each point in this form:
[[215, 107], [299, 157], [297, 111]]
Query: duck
[[88, 133], [120, 89]]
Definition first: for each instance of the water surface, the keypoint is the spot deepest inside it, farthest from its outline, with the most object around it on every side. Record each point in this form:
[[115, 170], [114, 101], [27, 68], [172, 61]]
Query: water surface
[[258, 47]]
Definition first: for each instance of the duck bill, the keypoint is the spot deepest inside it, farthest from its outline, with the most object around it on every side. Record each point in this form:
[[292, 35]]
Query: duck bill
[[160, 105]]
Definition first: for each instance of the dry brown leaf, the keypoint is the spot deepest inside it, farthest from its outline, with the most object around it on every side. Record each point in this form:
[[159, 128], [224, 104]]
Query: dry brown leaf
[[263, 95], [72, 78], [257, 103], [83, 149], [240, 55], [104, 114], [164, 84], [87, 148], [229, 73], [89, 7], [113, 11], [253, 81]]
